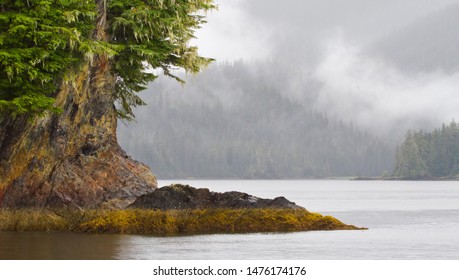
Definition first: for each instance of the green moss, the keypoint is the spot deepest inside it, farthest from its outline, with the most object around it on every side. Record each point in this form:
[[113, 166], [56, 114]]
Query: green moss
[[136, 221]]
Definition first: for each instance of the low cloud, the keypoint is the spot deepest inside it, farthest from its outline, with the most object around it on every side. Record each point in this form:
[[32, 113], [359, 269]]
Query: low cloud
[[231, 34], [376, 96]]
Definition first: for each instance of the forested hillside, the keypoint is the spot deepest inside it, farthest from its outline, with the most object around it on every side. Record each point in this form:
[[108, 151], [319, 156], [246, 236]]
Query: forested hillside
[[240, 121], [429, 154]]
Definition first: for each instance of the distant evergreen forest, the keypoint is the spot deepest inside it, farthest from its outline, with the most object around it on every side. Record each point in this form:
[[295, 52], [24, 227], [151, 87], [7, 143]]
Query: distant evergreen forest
[[237, 121], [425, 155]]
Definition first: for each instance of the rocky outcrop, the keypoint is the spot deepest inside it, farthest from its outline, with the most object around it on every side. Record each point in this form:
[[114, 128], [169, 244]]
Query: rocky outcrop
[[186, 197], [72, 159]]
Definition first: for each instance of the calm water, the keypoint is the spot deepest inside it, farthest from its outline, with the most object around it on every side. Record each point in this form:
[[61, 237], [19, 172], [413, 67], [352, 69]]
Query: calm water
[[407, 220]]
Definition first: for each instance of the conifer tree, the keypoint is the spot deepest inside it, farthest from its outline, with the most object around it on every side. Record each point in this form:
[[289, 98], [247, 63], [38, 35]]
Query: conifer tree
[[64, 65], [429, 154]]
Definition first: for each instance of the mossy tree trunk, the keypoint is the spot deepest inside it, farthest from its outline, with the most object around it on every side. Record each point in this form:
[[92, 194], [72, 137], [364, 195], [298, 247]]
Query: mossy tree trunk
[[72, 159]]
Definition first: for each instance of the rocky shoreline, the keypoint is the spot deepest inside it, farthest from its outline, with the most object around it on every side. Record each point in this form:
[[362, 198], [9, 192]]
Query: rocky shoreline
[[177, 210]]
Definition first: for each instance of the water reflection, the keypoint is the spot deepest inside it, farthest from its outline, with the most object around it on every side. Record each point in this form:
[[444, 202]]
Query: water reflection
[[407, 220], [58, 246]]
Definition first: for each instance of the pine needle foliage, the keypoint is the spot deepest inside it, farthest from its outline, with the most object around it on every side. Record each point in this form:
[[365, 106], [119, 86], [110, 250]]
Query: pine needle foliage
[[42, 42], [39, 42], [150, 35]]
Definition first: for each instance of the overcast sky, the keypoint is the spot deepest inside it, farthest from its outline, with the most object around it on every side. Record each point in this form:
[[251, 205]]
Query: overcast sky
[[252, 29]]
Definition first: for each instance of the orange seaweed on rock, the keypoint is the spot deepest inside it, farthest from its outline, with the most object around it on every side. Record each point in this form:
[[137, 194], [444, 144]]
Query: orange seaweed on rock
[[170, 222], [174, 210]]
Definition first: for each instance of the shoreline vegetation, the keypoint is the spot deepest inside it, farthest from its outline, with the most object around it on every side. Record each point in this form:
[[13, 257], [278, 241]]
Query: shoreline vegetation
[[412, 178], [169, 222]]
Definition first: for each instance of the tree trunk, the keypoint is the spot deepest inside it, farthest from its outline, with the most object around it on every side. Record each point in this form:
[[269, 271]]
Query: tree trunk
[[73, 158]]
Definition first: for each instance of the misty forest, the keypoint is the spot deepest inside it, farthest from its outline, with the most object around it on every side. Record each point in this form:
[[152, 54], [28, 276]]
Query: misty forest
[[236, 121], [427, 155], [154, 121], [335, 107], [234, 89]]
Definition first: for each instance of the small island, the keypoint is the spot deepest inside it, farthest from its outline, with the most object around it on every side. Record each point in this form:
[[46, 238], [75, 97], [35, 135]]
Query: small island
[[177, 209]]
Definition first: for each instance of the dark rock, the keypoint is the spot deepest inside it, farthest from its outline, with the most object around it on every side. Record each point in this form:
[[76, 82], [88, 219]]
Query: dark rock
[[187, 197]]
